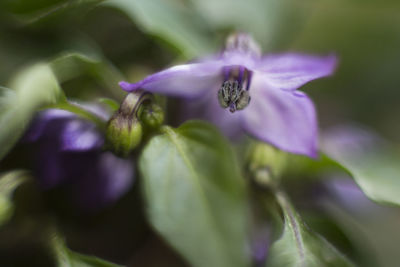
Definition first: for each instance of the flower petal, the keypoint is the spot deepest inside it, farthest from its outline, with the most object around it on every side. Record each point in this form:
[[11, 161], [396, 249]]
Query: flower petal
[[80, 135], [188, 80], [104, 182], [43, 121], [208, 108], [285, 119], [234, 58], [290, 71], [49, 166]]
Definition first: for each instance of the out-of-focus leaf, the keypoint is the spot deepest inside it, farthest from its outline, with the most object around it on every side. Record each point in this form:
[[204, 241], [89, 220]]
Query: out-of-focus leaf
[[71, 65], [68, 258], [195, 195], [32, 88], [372, 163], [171, 21], [80, 111], [368, 238], [8, 183], [299, 246], [267, 20], [32, 11], [309, 167], [110, 103], [38, 86], [375, 233], [26, 6]]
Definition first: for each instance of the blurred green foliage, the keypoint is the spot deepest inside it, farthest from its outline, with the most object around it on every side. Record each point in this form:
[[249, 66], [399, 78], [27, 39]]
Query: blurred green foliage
[[84, 47], [193, 190], [34, 87], [8, 183], [299, 246]]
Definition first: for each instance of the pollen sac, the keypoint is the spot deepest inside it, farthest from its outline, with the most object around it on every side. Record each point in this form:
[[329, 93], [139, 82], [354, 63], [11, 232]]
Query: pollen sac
[[243, 101], [223, 94], [232, 95]]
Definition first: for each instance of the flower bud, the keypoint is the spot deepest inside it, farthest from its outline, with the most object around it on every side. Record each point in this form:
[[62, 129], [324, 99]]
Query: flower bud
[[152, 115], [123, 134], [266, 163], [124, 130], [243, 43]]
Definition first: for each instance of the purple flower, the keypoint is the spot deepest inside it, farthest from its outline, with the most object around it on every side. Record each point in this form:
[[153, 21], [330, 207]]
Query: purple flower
[[69, 154], [349, 195], [242, 90]]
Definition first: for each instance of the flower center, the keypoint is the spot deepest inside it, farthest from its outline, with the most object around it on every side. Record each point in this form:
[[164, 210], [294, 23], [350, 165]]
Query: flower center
[[232, 94]]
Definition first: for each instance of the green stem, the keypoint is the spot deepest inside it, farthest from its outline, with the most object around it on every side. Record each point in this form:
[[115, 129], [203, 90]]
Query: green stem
[[291, 219]]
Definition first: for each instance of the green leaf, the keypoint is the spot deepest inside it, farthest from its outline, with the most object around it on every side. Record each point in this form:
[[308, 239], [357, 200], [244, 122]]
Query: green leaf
[[299, 246], [68, 258], [373, 163], [8, 183], [34, 87], [305, 166], [171, 21], [38, 86], [195, 194], [26, 6], [26, 12], [73, 64]]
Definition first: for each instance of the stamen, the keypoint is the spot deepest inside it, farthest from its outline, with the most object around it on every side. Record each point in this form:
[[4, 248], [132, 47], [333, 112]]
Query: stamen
[[232, 107], [241, 74], [249, 76], [227, 71], [232, 94]]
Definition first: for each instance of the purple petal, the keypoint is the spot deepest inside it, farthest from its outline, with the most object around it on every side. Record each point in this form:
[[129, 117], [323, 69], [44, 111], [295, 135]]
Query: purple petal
[[96, 109], [49, 166], [260, 242], [349, 194], [42, 122], [290, 71], [118, 172], [354, 139], [234, 58], [188, 80], [208, 108], [80, 135], [105, 182], [285, 119]]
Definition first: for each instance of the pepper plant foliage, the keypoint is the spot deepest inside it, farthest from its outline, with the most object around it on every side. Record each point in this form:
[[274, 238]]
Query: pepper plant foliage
[[195, 181], [232, 176]]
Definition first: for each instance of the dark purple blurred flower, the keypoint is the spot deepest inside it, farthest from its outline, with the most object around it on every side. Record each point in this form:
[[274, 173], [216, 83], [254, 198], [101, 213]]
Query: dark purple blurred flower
[[260, 243], [347, 192], [70, 153], [277, 113]]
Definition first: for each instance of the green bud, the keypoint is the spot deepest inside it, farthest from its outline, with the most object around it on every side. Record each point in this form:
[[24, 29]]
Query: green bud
[[152, 115], [124, 130], [266, 163], [123, 134]]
